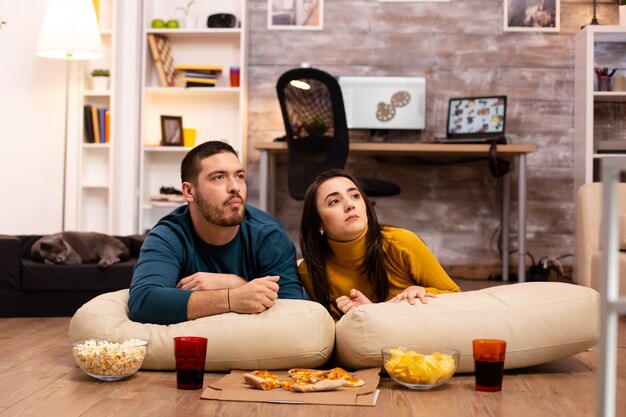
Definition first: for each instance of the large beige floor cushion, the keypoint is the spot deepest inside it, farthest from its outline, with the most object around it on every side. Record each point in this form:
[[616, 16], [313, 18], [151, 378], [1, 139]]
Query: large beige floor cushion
[[293, 333], [541, 322]]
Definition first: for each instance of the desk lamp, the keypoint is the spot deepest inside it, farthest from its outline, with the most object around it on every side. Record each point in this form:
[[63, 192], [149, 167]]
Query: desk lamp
[[594, 19], [69, 31]]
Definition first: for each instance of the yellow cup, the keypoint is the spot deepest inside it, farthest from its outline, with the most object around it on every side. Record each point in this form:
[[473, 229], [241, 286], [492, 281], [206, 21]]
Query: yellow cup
[[189, 137]]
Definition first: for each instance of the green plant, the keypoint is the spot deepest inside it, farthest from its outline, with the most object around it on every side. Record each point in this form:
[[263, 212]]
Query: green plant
[[186, 9], [100, 73], [622, 2]]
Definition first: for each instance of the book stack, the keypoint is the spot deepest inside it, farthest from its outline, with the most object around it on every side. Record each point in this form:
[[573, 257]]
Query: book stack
[[199, 75], [97, 122]]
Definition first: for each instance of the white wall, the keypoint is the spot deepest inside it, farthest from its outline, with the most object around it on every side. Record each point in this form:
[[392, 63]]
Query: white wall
[[32, 109], [32, 125]]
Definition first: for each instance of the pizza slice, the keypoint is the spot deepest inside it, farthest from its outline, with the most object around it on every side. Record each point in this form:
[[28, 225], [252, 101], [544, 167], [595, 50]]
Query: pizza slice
[[312, 376], [264, 380]]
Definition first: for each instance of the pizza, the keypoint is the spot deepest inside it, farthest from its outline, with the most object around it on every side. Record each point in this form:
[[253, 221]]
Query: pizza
[[311, 376], [303, 380], [262, 380]]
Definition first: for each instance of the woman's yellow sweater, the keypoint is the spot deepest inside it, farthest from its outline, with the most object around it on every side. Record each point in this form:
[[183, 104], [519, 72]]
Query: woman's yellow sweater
[[407, 261]]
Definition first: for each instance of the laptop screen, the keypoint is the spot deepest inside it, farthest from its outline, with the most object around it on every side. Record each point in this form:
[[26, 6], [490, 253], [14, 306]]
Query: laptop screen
[[476, 117]]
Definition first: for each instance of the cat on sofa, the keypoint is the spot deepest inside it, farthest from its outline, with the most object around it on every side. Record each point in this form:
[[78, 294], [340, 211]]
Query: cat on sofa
[[70, 248]]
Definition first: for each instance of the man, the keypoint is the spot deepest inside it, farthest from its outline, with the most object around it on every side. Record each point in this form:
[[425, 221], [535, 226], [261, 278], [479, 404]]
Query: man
[[216, 254]]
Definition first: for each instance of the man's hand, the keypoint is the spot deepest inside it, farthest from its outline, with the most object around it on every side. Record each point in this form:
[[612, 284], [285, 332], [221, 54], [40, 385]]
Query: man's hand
[[209, 281], [254, 296]]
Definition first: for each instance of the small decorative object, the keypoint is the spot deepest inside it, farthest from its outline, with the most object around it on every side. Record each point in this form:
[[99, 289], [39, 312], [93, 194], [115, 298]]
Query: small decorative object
[[100, 79], [171, 131], [234, 76], [532, 15], [190, 21], [295, 15], [221, 20], [189, 137], [158, 23], [622, 12]]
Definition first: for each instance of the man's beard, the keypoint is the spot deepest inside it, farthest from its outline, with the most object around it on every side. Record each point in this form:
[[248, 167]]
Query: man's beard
[[221, 215]]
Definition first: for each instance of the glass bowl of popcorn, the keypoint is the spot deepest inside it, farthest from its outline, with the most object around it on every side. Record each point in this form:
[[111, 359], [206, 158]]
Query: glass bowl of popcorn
[[420, 368], [109, 361]]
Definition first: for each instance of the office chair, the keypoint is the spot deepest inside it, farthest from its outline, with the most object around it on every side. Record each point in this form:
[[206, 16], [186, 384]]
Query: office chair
[[316, 131]]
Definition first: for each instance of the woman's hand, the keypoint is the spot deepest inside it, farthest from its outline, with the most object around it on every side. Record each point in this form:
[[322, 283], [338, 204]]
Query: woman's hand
[[346, 303], [413, 292], [209, 281]]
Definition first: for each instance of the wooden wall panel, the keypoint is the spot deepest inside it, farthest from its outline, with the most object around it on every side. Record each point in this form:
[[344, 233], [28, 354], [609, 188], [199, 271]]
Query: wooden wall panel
[[461, 49]]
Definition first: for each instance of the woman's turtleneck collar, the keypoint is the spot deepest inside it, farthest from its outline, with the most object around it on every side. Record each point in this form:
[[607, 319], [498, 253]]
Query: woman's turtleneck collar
[[353, 250]]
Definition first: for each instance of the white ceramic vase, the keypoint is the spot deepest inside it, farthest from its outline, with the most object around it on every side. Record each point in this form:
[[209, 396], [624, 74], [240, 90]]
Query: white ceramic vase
[[622, 15], [191, 22], [100, 83]]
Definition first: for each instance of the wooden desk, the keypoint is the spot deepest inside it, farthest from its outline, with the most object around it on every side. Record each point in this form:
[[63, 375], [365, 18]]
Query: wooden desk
[[269, 150]]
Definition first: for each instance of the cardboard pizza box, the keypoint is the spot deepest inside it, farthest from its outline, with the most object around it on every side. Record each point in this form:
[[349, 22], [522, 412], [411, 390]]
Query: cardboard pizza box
[[232, 388]]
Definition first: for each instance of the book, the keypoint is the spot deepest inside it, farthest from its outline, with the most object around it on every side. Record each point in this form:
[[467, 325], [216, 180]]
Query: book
[[200, 74], [101, 123], [107, 126], [88, 123], [199, 82], [189, 67], [96, 127], [164, 62]]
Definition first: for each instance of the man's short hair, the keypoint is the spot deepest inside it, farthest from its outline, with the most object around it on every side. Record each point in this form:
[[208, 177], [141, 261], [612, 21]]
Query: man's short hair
[[192, 162]]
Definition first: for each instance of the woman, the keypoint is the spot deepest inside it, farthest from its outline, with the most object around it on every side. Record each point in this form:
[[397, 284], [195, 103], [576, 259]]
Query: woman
[[351, 260]]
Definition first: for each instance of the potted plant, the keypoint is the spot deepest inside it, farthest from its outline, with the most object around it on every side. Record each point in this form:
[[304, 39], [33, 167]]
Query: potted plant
[[622, 12], [189, 21], [100, 79]]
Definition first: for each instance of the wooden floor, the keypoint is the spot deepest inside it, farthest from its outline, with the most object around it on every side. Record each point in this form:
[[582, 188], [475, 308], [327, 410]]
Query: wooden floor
[[38, 377]]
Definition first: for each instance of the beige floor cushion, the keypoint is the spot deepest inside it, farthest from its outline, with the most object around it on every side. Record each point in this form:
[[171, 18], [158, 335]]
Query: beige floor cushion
[[541, 322], [293, 333]]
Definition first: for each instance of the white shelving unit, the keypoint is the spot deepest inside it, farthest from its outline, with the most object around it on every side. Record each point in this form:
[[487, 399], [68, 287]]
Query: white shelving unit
[[611, 304], [96, 161], [595, 46], [217, 113]]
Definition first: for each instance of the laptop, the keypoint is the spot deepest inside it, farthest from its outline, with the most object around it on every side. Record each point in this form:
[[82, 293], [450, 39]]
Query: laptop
[[475, 120]]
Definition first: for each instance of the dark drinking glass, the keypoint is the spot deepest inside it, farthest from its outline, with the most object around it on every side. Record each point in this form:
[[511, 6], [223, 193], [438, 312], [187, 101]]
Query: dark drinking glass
[[190, 353], [489, 364]]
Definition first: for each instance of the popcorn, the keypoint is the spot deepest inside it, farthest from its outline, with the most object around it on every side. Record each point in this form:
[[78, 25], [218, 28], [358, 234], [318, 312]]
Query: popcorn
[[110, 359]]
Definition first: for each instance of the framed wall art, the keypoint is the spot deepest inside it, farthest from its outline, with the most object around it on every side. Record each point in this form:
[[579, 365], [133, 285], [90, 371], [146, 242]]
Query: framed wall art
[[532, 15], [295, 14], [171, 131], [413, 1]]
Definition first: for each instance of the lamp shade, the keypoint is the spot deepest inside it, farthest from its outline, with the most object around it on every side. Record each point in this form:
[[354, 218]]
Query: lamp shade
[[70, 31]]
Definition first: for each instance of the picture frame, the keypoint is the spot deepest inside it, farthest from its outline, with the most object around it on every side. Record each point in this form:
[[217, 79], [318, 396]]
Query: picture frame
[[532, 15], [413, 1], [171, 131], [295, 14]]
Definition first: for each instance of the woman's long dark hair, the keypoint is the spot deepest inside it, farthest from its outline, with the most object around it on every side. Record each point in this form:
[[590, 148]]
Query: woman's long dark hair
[[315, 248]]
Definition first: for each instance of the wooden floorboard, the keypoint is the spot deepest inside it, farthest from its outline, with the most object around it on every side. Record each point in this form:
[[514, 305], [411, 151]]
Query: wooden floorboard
[[38, 377]]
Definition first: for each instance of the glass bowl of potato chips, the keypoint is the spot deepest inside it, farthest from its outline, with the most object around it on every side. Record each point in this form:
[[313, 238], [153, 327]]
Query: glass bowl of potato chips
[[419, 367]]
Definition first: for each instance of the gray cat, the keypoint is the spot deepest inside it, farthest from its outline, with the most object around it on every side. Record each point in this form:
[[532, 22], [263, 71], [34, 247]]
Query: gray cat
[[70, 248]]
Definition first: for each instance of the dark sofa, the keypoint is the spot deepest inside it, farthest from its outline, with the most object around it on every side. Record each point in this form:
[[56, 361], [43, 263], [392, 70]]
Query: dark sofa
[[32, 288]]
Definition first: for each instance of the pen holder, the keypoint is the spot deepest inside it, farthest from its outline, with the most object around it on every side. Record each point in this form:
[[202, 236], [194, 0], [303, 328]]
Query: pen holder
[[605, 83]]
